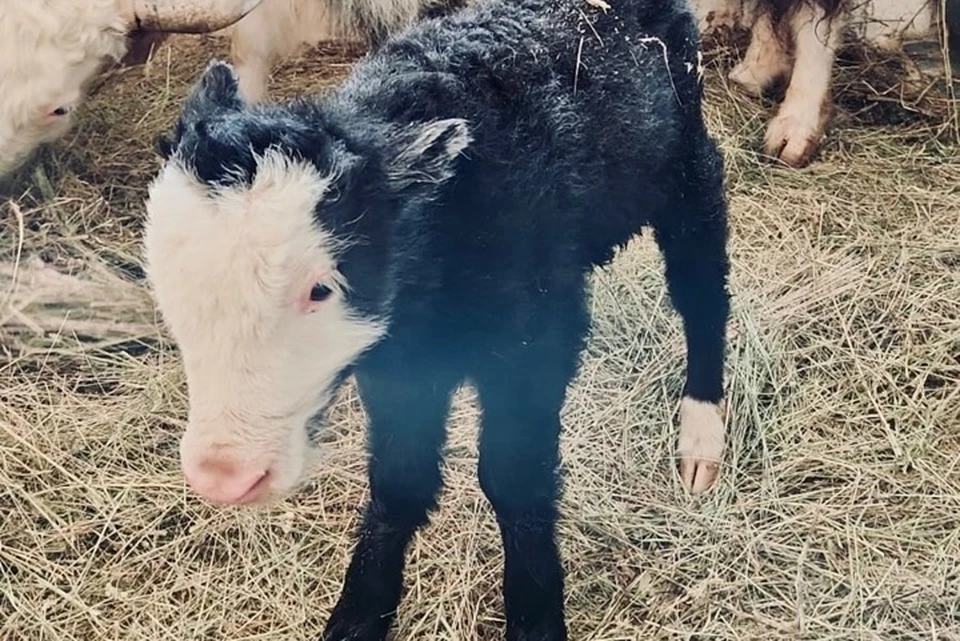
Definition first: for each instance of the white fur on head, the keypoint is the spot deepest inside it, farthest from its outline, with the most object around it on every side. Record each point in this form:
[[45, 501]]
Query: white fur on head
[[49, 52], [232, 269]]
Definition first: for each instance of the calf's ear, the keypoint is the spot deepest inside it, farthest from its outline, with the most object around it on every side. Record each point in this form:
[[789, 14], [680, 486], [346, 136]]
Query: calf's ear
[[423, 157], [217, 89]]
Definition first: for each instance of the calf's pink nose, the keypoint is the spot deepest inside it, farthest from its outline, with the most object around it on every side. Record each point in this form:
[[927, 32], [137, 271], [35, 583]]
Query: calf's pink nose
[[222, 479]]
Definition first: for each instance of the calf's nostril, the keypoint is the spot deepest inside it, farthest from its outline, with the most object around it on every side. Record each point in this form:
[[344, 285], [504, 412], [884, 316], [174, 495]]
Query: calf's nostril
[[224, 480], [256, 490]]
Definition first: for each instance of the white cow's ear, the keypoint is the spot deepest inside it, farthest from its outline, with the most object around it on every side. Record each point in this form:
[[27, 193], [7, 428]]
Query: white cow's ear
[[425, 156]]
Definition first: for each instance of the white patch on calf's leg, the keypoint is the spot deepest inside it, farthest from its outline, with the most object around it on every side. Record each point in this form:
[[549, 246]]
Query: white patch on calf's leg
[[795, 133], [700, 445], [228, 268]]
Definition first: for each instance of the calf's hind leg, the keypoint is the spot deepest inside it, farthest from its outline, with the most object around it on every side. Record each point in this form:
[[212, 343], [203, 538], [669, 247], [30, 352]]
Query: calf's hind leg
[[407, 418], [691, 233]]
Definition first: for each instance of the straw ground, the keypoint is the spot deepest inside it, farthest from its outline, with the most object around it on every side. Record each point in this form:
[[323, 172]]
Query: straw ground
[[837, 517]]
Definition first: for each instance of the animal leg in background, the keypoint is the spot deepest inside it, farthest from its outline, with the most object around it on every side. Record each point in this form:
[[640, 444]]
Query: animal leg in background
[[766, 61], [256, 43], [407, 419], [795, 133]]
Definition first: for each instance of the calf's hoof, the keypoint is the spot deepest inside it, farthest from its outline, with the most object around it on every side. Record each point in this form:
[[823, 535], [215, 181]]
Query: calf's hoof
[[700, 445], [554, 631], [793, 139], [341, 629]]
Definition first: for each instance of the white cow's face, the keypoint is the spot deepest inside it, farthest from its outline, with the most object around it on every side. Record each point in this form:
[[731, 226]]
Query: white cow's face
[[49, 53], [248, 285]]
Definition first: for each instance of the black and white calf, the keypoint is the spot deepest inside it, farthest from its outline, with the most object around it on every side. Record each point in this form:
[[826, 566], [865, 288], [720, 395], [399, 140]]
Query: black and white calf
[[430, 222]]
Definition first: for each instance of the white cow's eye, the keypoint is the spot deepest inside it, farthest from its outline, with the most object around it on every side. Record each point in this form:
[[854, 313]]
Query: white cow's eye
[[320, 292], [60, 111]]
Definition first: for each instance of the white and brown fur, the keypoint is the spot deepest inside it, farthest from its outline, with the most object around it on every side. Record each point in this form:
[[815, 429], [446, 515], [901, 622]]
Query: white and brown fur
[[52, 52], [794, 42]]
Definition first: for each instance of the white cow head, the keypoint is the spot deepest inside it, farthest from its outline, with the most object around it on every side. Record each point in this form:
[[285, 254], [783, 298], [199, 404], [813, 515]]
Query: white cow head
[[51, 51], [261, 250]]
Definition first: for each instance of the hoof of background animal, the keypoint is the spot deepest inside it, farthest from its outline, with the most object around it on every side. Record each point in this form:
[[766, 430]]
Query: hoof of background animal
[[744, 77], [793, 139], [700, 445]]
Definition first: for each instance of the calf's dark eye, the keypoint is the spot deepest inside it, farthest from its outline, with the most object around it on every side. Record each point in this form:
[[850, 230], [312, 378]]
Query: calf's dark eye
[[320, 292], [61, 111]]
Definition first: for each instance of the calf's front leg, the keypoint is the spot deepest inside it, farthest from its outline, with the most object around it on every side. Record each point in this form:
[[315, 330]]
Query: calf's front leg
[[519, 461], [407, 416], [692, 234]]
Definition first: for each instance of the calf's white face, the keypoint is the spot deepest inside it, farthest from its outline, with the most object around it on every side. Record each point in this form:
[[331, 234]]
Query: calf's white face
[[247, 282]]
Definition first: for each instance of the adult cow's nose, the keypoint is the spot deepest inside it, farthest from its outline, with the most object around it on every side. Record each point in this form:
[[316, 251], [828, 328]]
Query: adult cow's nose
[[220, 478]]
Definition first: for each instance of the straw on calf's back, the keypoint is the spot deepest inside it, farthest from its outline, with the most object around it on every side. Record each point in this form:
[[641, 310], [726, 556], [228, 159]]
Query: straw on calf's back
[[433, 221]]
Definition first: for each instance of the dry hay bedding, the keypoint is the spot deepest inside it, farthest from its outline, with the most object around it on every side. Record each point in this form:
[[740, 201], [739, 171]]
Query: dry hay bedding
[[837, 516]]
